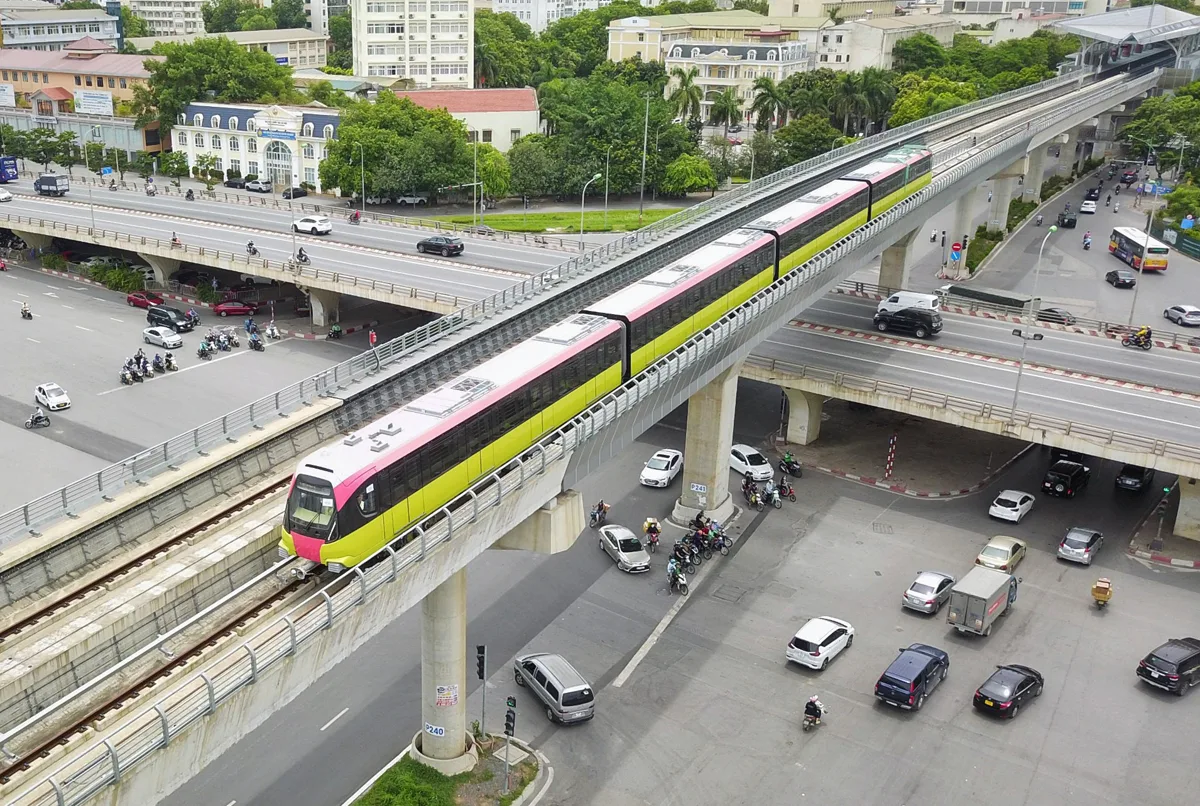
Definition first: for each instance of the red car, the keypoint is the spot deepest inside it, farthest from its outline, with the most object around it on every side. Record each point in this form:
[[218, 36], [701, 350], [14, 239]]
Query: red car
[[143, 299], [234, 309]]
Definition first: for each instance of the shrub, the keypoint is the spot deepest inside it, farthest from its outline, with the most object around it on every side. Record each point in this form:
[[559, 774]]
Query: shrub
[[233, 173], [206, 293], [1018, 211], [251, 177], [1052, 186], [54, 261], [981, 246]]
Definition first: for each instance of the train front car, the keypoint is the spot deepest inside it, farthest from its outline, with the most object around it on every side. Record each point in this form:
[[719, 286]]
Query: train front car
[[895, 176], [350, 498]]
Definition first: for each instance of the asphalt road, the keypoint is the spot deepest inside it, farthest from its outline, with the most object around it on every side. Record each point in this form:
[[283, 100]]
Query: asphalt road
[[1106, 358], [79, 337], [1146, 413], [455, 275]]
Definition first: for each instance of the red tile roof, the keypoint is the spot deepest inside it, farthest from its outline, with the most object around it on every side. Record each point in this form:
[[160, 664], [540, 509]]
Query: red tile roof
[[57, 93], [523, 99], [89, 43]]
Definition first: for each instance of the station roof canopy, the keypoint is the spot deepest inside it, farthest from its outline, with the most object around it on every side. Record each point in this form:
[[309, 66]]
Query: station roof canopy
[[1144, 25]]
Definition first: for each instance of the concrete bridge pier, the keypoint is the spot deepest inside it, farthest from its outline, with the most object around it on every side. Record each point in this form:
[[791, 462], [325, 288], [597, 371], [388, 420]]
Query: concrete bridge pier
[[443, 741], [706, 450], [962, 230], [324, 306], [163, 267], [804, 416], [1035, 174], [1003, 185], [1066, 153], [35, 240], [1187, 519], [896, 261], [552, 529]]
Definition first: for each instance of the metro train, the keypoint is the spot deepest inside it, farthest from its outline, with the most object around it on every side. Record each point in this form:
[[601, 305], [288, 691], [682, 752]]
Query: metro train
[[350, 498]]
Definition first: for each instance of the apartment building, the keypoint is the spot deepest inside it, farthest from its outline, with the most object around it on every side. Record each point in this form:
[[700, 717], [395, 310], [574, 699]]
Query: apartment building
[[538, 14], [169, 17], [430, 42], [294, 47], [987, 11], [54, 29], [846, 9], [868, 42]]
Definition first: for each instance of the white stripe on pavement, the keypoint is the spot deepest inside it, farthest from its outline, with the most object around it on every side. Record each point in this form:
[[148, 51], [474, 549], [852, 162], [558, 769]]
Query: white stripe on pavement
[[339, 715]]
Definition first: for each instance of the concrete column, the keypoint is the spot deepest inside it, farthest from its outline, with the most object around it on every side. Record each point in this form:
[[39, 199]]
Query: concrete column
[[896, 261], [706, 450], [443, 742], [1187, 519], [1002, 193], [804, 416], [35, 240], [324, 306], [1066, 154], [1035, 174], [163, 267], [963, 227], [551, 529]]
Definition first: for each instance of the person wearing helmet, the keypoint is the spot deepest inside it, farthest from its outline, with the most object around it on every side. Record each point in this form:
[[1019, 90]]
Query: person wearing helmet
[[813, 709]]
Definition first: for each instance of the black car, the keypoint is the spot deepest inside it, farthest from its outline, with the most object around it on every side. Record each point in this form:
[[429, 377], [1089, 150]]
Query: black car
[[1009, 687], [1121, 278], [1092, 194], [444, 245], [1135, 478], [1066, 479], [236, 182], [162, 316], [1058, 315], [1064, 455], [192, 277], [1173, 667], [918, 321], [915, 672], [1068, 220], [294, 193]]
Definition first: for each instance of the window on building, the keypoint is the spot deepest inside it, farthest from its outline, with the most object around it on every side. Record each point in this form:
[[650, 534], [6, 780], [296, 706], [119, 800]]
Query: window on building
[[641, 37], [752, 55], [308, 151], [514, 135], [198, 120], [233, 124], [216, 141], [199, 140], [78, 80], [324, 152], [45, 109], [217, 165], [112, 83], [251, 125], [235, 165], [307, 130], [252, 146], [327, 132], [5, 73], [99, 81], [825, 39], [35, 78], [252, 168], [838, 39], [123, 84], [310, 176], [214, 122], [87, 80], [824, 57], [837, 58], [181, 138], [25, 77], [235, 144]]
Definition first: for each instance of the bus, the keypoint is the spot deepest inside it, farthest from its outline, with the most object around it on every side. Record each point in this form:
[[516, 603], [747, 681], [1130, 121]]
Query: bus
[[1138, 249]]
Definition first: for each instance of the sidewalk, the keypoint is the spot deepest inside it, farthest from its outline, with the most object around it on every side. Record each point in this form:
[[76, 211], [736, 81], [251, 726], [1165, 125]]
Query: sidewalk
[[854, 444], [1178, 552]]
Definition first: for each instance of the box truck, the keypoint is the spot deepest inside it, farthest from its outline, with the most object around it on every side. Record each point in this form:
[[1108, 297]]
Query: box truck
[[979, 598]]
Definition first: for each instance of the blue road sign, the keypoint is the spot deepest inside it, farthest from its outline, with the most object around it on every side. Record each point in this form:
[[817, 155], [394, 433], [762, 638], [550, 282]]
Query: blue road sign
[[105, 171], [955, 255]]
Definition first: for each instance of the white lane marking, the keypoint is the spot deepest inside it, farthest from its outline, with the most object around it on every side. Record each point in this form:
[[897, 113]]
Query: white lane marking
[[50, 294], [649, 643], [56, 288], [115, 319], [231, 803], [77, 287], [545, 786], [19, 294], [101, 299], [339, 715], [68, 307], [88, 329], [35, 341], [362, 790]]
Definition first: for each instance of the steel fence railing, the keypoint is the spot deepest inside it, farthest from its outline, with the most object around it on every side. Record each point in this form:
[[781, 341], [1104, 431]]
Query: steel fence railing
[[203, 693]]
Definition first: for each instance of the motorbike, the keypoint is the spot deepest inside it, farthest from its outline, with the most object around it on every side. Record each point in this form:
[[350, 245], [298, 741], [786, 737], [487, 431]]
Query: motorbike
[[753, 498], [158, 366], [126, 378], [599, 515], [252, 250], [1135, 341], [272, 331], [191, 196], [231, 335], [302, 258], [257, 345], [112, 185], [683, 553], [813, 721], [1087, 244], [1101, 591], [204, 354], [37, 422], [652, 542], [335, 332], [147, 370], [26, 314], [1039, 220], [354, 219], [194, 318], [151, 190], [170, 364], [677, 582], [787, 490], [137, 374], [223, 343], [771, 496], [792, 468]]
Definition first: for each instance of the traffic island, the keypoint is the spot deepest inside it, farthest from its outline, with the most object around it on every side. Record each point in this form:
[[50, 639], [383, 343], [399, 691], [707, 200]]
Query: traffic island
[[409, 781]]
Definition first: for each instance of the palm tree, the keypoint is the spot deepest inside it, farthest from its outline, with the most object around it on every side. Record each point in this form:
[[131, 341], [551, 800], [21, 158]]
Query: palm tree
[[877, 87], [835, 15], [726, 109], [808, 101], [688, 96], [770, 102], [487, 66], [848, 100]]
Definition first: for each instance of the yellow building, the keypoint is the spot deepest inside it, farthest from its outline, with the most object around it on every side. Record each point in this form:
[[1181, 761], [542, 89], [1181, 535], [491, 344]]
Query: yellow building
[[95, 74]]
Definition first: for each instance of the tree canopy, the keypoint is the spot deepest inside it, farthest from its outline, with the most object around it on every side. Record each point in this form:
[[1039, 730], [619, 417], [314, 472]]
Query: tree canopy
[[221, 16]]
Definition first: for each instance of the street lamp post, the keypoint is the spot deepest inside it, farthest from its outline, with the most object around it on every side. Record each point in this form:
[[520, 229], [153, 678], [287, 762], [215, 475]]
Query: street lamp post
[[87, 164], [362, 170], [476, 213], [582, 199], [645, 145], [1025, 334], [1149, 226], [607, 158]]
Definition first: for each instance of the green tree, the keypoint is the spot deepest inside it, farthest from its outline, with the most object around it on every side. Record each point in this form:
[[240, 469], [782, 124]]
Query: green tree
[[66, 150], [142, 164], [879, 90], [323, 92], [41, 146], [494, 172], [918, 52], [222, 15], [13, 142], [726, 109], [205, 169], [532, 167], [687, 96], [849, 102], [807, 137], [289, 14], [93, 157], [1178, 5], [502, 51], [757, 6], [920, 98], [688, 173], [721, 157], [173, 164], [212, 67], [341, 36], [770, 104]]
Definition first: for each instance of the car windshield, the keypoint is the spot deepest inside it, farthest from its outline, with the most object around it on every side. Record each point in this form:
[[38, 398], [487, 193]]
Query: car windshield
[[311, 510], [755, 459], [994, 551], [630, 544], [1160, 664], [658, 463], [1006, 502], [54, 391], [921, 588]]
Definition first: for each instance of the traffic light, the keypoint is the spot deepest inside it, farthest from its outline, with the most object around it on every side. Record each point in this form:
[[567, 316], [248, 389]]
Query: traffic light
[[511, 702], [481, 661], [510, 721]]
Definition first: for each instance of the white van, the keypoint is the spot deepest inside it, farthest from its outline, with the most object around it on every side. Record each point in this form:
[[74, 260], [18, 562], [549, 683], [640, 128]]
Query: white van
[[901, 300]]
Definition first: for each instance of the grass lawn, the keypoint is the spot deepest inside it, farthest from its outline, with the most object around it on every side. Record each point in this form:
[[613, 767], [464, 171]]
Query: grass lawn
[[556, 223], [411, 783]]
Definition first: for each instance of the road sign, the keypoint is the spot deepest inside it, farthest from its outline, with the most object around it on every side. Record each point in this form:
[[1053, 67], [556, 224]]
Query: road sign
[[956, 247], [956, 255], [105, 171]]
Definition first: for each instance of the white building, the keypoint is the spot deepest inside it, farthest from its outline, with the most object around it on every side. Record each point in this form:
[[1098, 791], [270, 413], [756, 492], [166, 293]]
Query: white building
[[858, 44], [51, 29], [987, 11], [317, 13], [431, 42], [283, 143], [169, 17], [295, 47], [1021, 24], [496, 116]]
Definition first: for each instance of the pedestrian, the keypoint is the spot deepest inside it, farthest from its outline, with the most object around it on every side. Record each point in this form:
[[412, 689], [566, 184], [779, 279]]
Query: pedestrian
[[247, 324], [372, 338], [989, 195], [932, 239]]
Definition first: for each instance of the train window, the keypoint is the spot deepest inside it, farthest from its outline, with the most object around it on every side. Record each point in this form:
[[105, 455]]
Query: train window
[[310, 508], [405, 478], [368, 501]]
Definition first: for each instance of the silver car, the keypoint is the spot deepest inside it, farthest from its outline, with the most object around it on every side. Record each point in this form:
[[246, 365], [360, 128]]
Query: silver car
[[1080, 545], [625, 548], [929, 591]]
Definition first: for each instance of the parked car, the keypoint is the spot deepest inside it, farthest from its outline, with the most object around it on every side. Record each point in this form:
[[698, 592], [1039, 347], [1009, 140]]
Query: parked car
[[1066, 479], [1087, 207], [1002, 553], [52, 396], [235, 182], [1080, 545], [1173, 667], [444, 245], [819, 641], [1121, 278], [661, 468], [235, 308], [1009, 687], [143, 299], [313, 225], [735, 128], [259, 185], [294, 193], [162, 336], [1068, 220], [928, 592], [917, 321], [625, 548], [1011, 505], [413, 200], [192, 277], [1134, 478], [913, 676], [1186, 315], [1058, 315], [743, 459]]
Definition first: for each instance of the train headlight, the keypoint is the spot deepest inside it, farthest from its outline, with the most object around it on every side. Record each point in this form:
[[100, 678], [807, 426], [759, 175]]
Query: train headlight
[[337, 568]]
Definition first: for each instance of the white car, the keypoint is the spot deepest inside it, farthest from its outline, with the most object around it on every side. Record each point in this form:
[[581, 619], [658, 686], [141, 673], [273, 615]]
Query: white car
[[1011, 505], [819, 641], [743, 459], [5, 195], [1087, 207], [662, 468], [163, 337], [52, 396], [1179, 314], [259, 186], [313, 225]]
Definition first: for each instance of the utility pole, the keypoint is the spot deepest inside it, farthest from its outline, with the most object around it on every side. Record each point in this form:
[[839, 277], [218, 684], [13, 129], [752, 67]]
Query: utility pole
[[645, 145]]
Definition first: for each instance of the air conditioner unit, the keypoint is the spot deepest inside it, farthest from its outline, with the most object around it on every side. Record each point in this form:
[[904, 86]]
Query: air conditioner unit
[[411, 36], [433, 16], [461, 36], [433, 58]]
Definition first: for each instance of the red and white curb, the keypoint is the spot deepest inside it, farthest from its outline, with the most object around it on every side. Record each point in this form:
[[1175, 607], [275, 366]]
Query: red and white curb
[[1162, 559], [295, 334], [902, 489], [1000, 317], [990, 359]]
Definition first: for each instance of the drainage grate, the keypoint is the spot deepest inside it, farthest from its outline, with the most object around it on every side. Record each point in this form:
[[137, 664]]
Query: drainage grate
[[881, 528], [729, 593]]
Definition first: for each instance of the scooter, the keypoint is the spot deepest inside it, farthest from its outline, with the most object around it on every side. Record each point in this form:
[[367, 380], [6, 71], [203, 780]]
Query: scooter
[[126, 378], [1087, 244], [678, 582], [792, 468], [26, 313], [1134, 341], [813, 721], [171, 365], [257, 345], [37, 422]]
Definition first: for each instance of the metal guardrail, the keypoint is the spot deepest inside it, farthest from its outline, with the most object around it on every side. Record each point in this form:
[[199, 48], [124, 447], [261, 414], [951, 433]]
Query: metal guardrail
[[20, 521], [203, 693], [940, 400]]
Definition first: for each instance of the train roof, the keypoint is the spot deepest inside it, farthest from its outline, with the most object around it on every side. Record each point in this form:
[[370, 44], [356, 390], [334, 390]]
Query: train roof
[[392, 436]]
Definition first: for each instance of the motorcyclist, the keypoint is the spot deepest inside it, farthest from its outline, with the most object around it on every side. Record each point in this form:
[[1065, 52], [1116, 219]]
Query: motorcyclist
[[1039, 219], [175, 240], [24, 309], [169, 360], [38, 415], [157, 362], [652, 527], [356, 216], [251, 249], [1117, 207], [748, 485], [813, 709], [601, 509], [1108, 200], [1143, 333], [672, 570], [254, 340], [301, 255], [191, 196]]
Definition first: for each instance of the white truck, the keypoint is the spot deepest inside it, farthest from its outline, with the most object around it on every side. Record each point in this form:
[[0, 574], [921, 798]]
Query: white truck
[[979, 598]]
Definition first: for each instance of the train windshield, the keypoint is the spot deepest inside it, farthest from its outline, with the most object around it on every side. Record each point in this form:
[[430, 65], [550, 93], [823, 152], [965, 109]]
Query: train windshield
[[311, 510]]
